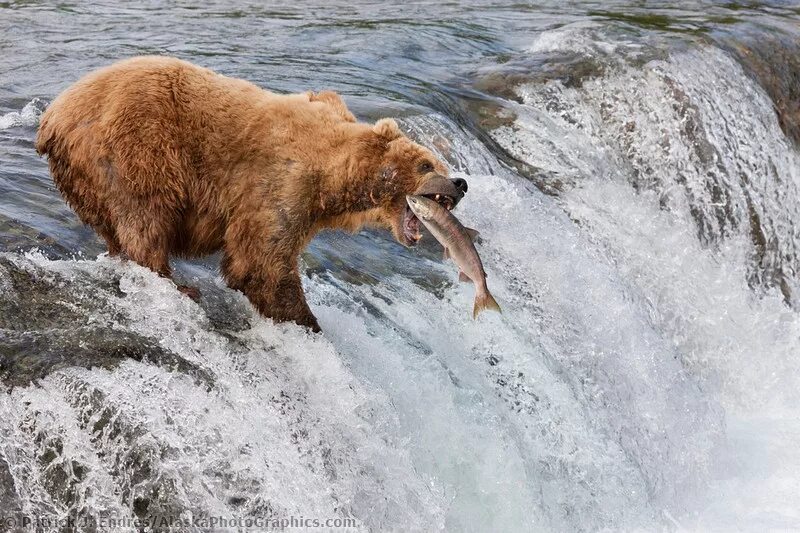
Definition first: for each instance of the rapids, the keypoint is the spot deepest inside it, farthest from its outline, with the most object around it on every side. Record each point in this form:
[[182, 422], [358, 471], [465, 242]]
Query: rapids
[[634, 174]]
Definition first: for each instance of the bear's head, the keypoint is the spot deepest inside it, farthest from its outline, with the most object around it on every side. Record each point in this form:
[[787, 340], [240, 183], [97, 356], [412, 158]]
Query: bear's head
[[409, 168]]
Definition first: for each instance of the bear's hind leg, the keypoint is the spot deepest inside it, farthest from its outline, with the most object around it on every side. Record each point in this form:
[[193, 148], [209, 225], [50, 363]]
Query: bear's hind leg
[[142, 239], [145, 233], [109, 234]]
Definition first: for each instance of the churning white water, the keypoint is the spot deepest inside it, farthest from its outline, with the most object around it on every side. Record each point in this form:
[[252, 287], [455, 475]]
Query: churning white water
[[665, 167], [635, 379], [27, 116]]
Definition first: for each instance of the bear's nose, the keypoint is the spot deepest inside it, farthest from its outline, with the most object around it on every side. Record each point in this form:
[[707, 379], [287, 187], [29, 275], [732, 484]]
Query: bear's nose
[[461, 185]]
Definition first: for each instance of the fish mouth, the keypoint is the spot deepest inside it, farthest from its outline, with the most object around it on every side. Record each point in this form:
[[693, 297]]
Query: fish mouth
[[411, 226]]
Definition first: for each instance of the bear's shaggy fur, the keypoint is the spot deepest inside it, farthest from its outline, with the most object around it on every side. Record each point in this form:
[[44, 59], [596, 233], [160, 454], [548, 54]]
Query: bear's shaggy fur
[[162, 157]]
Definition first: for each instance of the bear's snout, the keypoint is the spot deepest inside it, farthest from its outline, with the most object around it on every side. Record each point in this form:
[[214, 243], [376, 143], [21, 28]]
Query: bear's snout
[[461, 187], [437, 184]]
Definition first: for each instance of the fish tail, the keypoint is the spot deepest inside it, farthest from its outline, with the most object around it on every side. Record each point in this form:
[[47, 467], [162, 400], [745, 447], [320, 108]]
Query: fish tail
[[484, 301]]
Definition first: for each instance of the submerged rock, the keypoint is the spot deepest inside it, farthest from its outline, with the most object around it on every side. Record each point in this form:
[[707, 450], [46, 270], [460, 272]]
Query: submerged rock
[[15, 235], [9, 501], [774, 61]]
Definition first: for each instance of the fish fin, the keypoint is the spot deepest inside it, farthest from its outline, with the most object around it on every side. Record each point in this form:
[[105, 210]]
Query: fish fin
[[474, 234], [463, 277], [484, 301], [446, 253]]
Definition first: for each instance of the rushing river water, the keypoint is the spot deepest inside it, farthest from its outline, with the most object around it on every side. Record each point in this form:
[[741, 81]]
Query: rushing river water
[[635, 175]]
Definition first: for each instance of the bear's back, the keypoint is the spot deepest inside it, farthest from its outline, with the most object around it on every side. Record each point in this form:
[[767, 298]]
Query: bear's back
[[162, 124]]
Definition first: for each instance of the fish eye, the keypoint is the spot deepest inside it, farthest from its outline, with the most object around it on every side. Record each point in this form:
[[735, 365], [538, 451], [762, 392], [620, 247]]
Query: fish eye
[[425, 167]]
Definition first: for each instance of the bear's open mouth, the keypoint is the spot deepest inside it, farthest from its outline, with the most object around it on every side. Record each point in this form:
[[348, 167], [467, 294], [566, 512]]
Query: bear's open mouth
[[411, 222]]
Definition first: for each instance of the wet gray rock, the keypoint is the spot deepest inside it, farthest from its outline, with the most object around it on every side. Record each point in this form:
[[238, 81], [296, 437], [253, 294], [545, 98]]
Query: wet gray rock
[[9, 501], [49, 323]]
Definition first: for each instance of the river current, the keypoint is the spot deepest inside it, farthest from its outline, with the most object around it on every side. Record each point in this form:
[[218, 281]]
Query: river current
[[635, 175]]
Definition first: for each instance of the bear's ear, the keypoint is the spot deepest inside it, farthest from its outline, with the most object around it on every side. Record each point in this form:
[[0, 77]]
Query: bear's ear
[[387, 128]]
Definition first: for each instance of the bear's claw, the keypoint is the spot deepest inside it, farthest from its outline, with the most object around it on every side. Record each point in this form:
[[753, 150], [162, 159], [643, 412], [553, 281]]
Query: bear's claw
[[191, 292]]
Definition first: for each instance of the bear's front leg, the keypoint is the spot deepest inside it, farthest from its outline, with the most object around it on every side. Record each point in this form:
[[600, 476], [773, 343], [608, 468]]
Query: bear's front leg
[[265, 269], [280, 298]]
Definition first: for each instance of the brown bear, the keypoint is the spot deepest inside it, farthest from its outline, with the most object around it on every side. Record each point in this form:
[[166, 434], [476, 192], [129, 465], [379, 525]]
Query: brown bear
[[163, 157]]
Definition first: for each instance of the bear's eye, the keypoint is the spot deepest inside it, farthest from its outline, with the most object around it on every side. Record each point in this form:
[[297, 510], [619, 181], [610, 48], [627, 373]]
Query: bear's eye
[[425, 167]]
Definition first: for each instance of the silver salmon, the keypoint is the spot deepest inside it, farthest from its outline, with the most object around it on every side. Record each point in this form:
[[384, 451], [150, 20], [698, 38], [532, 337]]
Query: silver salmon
[[458, 245]]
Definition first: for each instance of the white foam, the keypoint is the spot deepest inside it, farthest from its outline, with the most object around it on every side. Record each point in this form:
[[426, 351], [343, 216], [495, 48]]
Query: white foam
[[581, 37], [286, 426], [678, 129], [27, 116]]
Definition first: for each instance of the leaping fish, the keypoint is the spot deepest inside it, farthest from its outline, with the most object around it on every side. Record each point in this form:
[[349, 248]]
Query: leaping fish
[[458, 245]]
